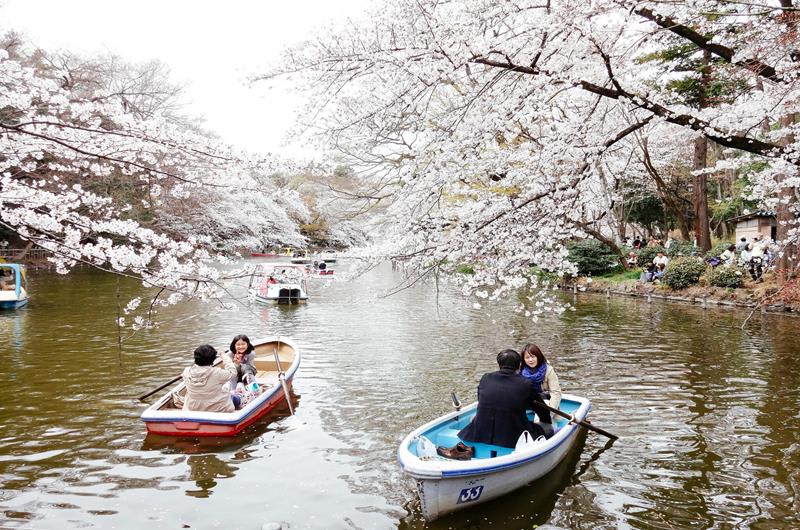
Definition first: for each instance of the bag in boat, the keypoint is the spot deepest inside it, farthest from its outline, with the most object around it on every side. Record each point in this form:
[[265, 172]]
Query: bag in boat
[[247, 393], [425, 448], [526, 440]]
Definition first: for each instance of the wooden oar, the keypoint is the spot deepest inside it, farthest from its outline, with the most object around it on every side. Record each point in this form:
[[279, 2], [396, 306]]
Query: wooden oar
[[165, 385], [582, 423], [282, 379]]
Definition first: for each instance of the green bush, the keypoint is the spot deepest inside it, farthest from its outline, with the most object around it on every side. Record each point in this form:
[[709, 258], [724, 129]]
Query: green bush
[[726, 276], [591, 256], [645, 255], [465, 268], [683, 272], [680, 248], [718, 249]]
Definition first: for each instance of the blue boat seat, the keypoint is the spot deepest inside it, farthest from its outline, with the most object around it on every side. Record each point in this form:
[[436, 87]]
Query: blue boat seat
[[447, 438]]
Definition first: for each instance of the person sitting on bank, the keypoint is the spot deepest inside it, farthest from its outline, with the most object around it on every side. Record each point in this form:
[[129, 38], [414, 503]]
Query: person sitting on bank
[[206, 385], [243, 354], [632, 260], [504, 397], [659, 273], [728, 256], [648, 274], [660, 258]]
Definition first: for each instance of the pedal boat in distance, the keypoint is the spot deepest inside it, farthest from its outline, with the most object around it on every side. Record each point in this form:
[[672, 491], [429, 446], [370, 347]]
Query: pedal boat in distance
[[446, 485], [289, 284], [13, 285], [162, 417]]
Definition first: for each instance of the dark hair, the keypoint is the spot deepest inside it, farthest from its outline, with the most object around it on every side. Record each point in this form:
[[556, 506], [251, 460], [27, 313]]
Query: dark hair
[[732, 248], [508, 359], [534, 350], [236, 339], [204, 355]]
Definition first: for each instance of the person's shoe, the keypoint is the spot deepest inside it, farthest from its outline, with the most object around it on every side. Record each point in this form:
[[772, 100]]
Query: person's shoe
[[457, 452]]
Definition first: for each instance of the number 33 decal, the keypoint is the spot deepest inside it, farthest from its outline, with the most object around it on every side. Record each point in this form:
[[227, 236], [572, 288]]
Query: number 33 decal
[[470, 494]]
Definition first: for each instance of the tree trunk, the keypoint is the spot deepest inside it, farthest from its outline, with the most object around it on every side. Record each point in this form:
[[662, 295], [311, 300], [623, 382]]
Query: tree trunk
[[672, 203], [699, 190], [785, 216], [784, 212], [609, 242]]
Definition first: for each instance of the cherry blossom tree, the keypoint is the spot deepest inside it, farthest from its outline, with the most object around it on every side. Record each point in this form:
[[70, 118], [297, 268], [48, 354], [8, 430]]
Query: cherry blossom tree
[[61, 140], [503, 128]]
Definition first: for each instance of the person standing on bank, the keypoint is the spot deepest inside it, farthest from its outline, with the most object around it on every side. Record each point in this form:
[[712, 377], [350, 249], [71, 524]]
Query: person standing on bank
[[504, 397], [538, 371]]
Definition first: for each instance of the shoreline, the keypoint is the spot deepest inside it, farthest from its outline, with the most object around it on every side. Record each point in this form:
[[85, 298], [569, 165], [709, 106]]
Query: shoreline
[[704, 297]]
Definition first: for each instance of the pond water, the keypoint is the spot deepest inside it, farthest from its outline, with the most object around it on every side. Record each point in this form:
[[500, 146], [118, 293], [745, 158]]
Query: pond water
[[707, 412]]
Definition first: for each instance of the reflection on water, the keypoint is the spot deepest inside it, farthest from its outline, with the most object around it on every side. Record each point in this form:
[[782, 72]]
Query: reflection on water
[[705, 411]]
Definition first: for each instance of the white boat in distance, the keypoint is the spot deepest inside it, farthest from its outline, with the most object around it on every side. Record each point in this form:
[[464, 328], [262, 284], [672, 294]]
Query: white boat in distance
[[446, 485], [282, 283]]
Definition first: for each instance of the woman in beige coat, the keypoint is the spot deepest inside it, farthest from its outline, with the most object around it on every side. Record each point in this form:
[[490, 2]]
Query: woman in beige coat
[[204, 382]]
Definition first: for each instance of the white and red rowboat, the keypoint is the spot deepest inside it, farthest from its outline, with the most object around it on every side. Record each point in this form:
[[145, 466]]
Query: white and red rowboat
[[162, 417]]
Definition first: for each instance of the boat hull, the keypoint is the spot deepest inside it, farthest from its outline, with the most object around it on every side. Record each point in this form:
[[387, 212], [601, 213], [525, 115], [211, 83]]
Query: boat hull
[[445, 486], [163, 420], [183, 427], [13, 304], [289, 300], [447, 495]]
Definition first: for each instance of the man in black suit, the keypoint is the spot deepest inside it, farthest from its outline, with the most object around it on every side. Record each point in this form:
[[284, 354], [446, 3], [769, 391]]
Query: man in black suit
[[503, 398]]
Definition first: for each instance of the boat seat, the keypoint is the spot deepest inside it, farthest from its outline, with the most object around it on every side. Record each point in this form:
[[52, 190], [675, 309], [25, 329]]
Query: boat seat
[[264, 363], [449, 438], [267, 377]]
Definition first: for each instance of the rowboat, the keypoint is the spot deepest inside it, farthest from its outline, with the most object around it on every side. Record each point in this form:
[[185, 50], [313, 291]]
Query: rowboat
[[446, 486], [279, 283], [13, 286], [163, 417]]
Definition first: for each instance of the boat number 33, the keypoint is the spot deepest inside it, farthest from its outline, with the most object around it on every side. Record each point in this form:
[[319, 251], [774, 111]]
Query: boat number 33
[[470, 494]]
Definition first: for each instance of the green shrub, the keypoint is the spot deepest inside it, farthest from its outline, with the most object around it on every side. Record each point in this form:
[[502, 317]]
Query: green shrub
[[683, 272], [465, 268], [718, 249], [680, 248], [725, 276], [645, 255], [591, 256]]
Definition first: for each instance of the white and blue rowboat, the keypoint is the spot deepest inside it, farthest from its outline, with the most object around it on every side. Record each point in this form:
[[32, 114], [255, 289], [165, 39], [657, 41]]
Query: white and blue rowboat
[[13, 286], [446, 485]]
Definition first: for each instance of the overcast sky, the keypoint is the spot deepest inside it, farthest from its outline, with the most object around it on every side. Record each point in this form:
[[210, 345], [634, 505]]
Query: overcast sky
[[211, 46]]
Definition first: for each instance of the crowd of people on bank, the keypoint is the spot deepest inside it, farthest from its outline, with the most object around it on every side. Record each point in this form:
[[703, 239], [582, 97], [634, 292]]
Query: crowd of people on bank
[[755, 255]]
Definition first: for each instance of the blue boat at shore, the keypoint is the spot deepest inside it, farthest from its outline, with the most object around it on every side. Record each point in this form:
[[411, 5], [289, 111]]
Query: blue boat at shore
[[13, 286], [446, 485]]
